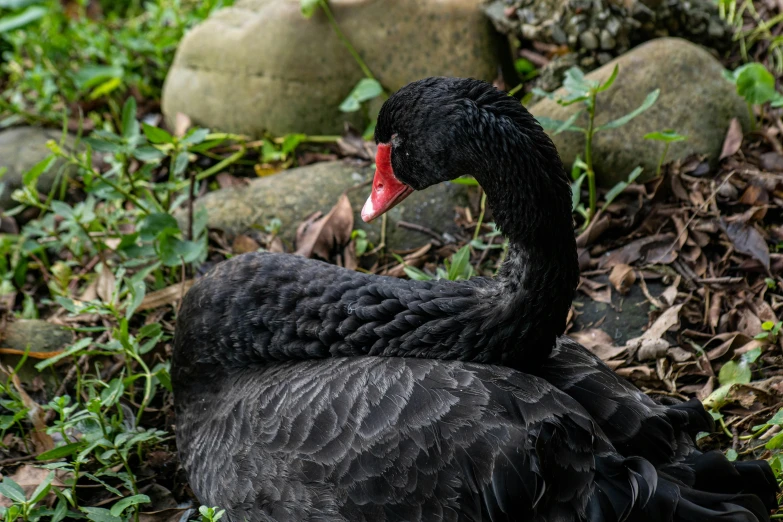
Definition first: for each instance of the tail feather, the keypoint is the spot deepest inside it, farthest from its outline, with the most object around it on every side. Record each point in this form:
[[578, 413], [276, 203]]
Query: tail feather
[[632, 490]]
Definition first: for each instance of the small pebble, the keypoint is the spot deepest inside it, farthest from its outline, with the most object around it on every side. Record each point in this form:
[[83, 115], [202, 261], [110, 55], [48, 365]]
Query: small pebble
[[588, 41], [607, 41]]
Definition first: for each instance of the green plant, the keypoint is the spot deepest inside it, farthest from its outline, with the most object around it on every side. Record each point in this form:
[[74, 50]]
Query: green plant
[[58, 60], [28, 509], [756, 85], [456, 268], [771, 331], [211, 514], [580, 89], [368, 87], [668, 137], [359, 238]]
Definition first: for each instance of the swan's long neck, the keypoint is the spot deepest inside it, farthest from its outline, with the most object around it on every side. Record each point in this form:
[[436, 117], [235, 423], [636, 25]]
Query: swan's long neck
[[529, 193]]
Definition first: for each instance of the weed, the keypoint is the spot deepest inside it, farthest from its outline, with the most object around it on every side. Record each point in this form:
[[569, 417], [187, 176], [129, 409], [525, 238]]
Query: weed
[[668, 137], [757, 86], [580, 89]]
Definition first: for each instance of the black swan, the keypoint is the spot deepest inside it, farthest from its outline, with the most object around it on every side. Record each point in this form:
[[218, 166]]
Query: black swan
[[306, 392]]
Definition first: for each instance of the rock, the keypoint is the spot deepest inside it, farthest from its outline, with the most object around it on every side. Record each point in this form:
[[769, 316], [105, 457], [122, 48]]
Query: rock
[[294, 194], [695, 100], [627, 23], [261, 66], [20, 149], [42, 337]]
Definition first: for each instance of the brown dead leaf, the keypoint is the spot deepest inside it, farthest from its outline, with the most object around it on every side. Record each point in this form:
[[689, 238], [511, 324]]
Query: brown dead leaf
[[772, 161], [634, 372], [321, 236], [652, 349], [622, 278], [733, 140], [226, 180], [747, 240], [166, 296], [599, 292], [181, 124], [598, 342], [668, 319], [243, 244], [106, 284], [754, 194]]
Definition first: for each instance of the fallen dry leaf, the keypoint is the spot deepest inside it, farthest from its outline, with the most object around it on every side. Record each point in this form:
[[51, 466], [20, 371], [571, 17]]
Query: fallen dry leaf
[[165, 296], [181, 124], [321, 236], [106, 284], [243, 244], [747, 240], [622, 277], [598, 342], [733, 140], [42, 441], [649, 341]]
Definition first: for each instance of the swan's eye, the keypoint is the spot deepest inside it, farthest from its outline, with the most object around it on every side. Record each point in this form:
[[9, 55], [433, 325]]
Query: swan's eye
[[396, 141]]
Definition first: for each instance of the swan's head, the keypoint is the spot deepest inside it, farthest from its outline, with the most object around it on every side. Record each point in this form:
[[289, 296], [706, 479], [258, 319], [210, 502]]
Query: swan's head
[[435, 130]]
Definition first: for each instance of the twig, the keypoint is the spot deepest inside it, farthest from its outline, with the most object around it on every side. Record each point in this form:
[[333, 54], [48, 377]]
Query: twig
[[726, 280], [422, 229], [701, 207]]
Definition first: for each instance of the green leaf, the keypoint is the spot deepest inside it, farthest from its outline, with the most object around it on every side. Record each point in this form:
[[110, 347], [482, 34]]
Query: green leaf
[[130, 127], [775, 442], [29, 15], [80, 345], [734, 373], [106, 88], [466, 180], [31, 176], [576, 84], [618, 189], [91, 75], [153, 225], [731, 455], [42, 489], [17, 4], [366, 89], [767, 326], [180, 163], [97, 514], [101, 145], [156, 134], [12, 490], [416, 274], [148, 154], [619, 122], [755, 83], [750, 356], [195, 136], [60, 452], [548, 123], [308, 7], [608, 83], [566, 125], [460, 265], [666, 136], [118, 508], [777, 419], [576, 191], [291, 142]]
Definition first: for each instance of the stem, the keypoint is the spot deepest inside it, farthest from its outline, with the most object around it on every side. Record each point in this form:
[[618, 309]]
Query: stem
[[481, 215], [191, 197], [515, 90], [363, 66], [589, 157], [127, 195], [217, 167], [147, 385], [662, 158], [752, 117]]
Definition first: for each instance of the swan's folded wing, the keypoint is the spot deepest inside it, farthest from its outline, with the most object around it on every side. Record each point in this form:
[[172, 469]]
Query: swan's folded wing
[[388, 439]]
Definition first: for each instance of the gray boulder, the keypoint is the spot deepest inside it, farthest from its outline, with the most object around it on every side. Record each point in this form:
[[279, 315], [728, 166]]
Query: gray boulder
[[20, 149], [261, 66], [695, 101], [294, 194]]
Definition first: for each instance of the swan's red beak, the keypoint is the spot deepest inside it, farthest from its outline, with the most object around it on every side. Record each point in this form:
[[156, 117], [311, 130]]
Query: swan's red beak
[[387, 190]]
